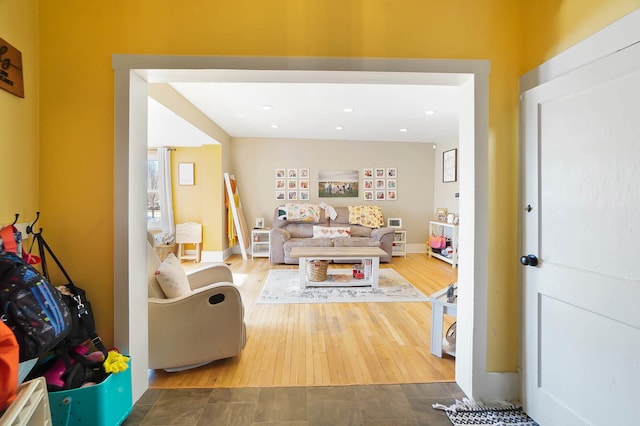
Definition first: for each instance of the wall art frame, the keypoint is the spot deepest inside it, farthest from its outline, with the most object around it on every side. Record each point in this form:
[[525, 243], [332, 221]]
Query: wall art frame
[[449, 165]]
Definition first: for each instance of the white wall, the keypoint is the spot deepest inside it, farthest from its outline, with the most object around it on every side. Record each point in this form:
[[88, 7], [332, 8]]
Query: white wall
[[443, 192], [255, 161]]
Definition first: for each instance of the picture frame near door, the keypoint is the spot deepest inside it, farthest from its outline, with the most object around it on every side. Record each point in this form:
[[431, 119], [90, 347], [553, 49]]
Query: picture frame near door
[[449, 165]]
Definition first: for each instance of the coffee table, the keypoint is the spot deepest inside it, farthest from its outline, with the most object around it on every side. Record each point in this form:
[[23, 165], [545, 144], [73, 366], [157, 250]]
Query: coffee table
[[305, 254]]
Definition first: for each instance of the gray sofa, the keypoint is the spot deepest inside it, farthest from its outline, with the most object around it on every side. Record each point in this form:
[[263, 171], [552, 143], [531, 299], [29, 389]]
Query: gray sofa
[[286, 234]]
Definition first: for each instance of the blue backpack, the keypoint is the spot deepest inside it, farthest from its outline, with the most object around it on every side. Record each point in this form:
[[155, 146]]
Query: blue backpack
[[31, 307]]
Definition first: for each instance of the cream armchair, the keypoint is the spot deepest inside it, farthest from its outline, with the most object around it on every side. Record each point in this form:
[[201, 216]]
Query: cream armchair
[[198, 328]]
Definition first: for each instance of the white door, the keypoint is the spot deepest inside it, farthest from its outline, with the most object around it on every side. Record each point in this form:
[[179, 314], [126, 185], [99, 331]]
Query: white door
[[581, 313]]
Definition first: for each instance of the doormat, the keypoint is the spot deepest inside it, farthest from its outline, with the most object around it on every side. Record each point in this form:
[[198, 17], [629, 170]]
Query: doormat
[[283, 286], [496, 413]]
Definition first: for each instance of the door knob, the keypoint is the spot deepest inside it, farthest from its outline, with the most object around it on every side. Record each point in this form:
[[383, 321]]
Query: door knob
[[529, 260]]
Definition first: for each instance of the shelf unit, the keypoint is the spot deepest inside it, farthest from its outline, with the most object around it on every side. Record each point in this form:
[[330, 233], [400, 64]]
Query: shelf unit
[[399, 243], [451, 231], [31, 406], [260, 242], [440, 308]]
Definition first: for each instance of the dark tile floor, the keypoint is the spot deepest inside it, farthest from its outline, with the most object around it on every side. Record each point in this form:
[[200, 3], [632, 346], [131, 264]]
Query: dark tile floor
[[406, 404]]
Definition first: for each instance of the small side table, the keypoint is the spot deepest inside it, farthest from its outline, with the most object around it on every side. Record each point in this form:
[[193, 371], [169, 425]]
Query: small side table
[[260, 242], [439, 309]]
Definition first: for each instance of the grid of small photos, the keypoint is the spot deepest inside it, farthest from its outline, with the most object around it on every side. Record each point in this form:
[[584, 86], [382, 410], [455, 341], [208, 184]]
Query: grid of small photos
[[292, 184], [380, 184]]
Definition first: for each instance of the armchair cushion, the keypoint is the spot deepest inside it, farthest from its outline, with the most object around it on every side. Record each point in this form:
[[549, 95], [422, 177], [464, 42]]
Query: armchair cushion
[[172, 277]]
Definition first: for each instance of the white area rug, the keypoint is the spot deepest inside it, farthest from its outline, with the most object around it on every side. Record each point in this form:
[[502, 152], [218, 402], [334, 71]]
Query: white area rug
[[282, 286]]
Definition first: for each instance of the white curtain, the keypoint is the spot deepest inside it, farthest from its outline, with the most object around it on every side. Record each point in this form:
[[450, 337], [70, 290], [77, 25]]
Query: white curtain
[[166, 197]]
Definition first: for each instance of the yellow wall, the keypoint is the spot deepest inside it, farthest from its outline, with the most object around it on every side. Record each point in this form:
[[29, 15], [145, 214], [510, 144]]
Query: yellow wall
[[196, 203], [19, 116], [76, 98], [552, 26]]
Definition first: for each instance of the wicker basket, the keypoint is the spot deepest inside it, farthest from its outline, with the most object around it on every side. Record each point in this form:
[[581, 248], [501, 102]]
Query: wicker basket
[[317, 270]]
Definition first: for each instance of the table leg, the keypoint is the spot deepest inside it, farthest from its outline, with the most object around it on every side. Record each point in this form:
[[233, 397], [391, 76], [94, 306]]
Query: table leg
[[437, 317], [302, 269], [375, 271]]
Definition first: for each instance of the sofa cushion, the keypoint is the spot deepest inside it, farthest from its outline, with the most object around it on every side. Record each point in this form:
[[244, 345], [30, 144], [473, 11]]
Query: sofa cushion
[[356, 242], [172, 277], [331, 231], [360, 231], [370, 216], [300, 230]]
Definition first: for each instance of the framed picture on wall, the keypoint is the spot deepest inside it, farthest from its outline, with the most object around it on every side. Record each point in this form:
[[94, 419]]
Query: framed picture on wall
[[449, 166], [303, 173], [292, 195], [368, 195], [185, 174], [304, 195], [279, 183], [367, 173], [392, 194], [280, 195], [280, 174]]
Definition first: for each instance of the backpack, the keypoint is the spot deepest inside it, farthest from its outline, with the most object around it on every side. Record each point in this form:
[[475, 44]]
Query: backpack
[[8, 366], [31, 307]]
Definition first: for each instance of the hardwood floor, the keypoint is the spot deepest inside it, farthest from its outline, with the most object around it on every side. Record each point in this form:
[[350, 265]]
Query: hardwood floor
[[328, 344]]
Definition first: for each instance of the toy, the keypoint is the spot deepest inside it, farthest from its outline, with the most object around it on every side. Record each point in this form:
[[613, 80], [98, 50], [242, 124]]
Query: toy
[[83, 367], [115, 362]]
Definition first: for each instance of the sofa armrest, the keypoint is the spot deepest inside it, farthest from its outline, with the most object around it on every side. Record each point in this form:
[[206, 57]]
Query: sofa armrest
[[379, 233], [210, 274], [278, 237], [280, 233]]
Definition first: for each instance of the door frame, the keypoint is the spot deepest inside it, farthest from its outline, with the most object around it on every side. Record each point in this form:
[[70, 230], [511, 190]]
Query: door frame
[[130, 310], [613, 38]]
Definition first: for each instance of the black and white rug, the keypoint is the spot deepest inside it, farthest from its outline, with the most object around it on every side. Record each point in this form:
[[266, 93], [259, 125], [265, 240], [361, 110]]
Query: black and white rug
[[496, 413], [283, 286]]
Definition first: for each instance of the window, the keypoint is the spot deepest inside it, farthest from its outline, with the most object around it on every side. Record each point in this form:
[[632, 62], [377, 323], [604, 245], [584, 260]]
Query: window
[[153, 191]]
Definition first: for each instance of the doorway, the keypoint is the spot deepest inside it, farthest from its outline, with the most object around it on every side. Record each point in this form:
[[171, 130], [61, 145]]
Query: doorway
[[133, 73]]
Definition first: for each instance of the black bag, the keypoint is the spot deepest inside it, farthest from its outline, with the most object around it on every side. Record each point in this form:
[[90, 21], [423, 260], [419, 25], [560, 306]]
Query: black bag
[[83, 325], [31, 307]]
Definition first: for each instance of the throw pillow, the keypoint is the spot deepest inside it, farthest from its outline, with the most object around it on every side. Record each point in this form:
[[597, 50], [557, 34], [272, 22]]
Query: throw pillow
[[172, 277], [331, 232]]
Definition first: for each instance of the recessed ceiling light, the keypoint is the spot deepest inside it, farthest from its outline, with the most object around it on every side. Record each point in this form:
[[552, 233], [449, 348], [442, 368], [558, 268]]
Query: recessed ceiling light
[[339, 127], [430, 112], [274, 126], [349, 109], [403, 130], [267, 107]]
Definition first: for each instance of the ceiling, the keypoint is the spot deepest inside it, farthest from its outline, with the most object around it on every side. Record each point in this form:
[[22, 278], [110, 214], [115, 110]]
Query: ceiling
[[414, 110]]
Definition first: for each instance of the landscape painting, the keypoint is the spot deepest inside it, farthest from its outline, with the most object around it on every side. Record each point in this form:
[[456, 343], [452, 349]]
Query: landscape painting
[[338, 183]]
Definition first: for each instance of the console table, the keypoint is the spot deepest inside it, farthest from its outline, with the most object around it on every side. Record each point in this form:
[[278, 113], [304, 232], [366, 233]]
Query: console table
[[305, 254]]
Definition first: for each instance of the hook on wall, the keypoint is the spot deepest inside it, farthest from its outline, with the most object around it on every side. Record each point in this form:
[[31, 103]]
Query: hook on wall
[[30, 227], [16, 219]]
